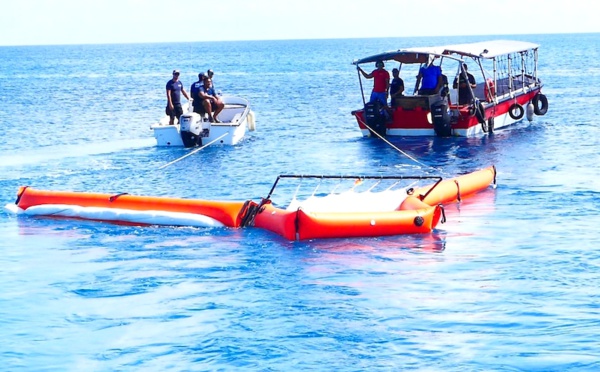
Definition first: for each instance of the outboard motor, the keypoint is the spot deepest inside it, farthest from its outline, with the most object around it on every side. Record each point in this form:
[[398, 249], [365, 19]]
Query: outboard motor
[[375, 118], [442, 123], [190, 128]]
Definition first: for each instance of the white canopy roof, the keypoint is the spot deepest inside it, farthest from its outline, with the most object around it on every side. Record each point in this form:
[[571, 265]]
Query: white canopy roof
[[490, 49], [483, 49]]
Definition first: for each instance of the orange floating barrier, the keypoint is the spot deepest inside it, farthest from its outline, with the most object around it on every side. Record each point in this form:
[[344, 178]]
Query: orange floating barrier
[[396, 213], [226, 213], [420, 212], [416, 217], [457, 188]]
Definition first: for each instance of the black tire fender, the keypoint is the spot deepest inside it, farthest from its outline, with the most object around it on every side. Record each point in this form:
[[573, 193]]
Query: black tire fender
[[490, 124], [520, 111], [540, 98], [480, 113]]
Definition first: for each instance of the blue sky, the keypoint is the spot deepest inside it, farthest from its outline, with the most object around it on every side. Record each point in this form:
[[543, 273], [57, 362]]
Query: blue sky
[[43, 22]]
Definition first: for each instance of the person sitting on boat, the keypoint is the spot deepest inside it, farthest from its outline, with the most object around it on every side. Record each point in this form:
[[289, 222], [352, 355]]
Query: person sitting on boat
[[381, 82], [210, 75], [430, 78], [194, 89], [211, 102], [396, 87], [174, 91], [462, 82]]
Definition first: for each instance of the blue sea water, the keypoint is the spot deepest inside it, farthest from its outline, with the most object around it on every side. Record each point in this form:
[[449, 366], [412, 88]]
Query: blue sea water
[[508, 283]]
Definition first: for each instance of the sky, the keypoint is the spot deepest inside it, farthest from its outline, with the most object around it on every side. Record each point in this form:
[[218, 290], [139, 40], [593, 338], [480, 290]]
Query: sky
[[56, 22]]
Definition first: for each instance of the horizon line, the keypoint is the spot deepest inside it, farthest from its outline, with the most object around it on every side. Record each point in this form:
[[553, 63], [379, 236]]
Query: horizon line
[[290, 39]]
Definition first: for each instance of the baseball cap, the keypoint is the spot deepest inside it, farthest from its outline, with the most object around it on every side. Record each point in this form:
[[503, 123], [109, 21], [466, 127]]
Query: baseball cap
[[201, 75], [175, 72]]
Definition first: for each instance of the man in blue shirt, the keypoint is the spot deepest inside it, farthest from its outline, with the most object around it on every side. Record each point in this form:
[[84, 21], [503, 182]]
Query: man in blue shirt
[[174, 91], [430, 78], [211, 102], [194, 89]]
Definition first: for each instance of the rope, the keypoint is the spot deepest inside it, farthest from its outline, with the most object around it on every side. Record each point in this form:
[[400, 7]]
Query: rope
[[458, 198], [316, 188], [297, 189], [114, 197], [375, 184], [193, 152], [400, 151], [20, 194]]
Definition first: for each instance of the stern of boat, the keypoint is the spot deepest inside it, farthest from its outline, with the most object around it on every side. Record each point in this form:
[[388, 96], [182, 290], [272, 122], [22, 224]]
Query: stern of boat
[[167, 135]]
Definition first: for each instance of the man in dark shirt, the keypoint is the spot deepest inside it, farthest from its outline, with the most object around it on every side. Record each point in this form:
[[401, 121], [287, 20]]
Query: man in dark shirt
[[174, 91], [462, 82], [396, 87], [194, 89], [211, 101]]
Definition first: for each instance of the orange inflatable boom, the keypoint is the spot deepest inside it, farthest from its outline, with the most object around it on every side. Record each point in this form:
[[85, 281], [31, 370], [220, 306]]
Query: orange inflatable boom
[[419, 212], [218, 213]]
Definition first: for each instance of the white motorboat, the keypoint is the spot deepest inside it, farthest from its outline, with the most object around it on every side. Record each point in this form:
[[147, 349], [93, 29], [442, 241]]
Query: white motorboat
[[195, 129]]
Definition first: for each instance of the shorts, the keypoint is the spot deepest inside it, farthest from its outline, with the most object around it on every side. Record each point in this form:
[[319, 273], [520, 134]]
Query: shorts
[[199, 110], [176, 112], [427, 92], [379, 96]]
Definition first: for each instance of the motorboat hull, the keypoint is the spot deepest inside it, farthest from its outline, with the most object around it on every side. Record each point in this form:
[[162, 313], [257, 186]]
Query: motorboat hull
[[195, 130], [416, 122]]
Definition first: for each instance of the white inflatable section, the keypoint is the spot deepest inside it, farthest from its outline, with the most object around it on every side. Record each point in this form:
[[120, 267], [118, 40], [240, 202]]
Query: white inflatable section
[[350, 201], [118, 215]]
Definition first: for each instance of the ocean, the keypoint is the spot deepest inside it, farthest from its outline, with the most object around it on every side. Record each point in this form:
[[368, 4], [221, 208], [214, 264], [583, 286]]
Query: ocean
[[508, 283]]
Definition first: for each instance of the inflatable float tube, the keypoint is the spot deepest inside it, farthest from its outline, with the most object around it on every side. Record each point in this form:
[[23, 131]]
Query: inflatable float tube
[[419, 212], [124, 208], [412, 217], [457, 188]]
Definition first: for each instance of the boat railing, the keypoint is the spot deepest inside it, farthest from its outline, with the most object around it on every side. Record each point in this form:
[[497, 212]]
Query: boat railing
[[438, 179]]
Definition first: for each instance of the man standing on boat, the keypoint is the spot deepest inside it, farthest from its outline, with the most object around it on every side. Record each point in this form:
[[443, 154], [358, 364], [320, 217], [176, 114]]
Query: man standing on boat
[[431, 79], [174, 90], [462, 82], [381, 82], [396, 87]]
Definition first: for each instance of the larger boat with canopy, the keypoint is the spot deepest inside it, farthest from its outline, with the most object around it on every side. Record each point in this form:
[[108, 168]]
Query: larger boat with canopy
[[506, 90]]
